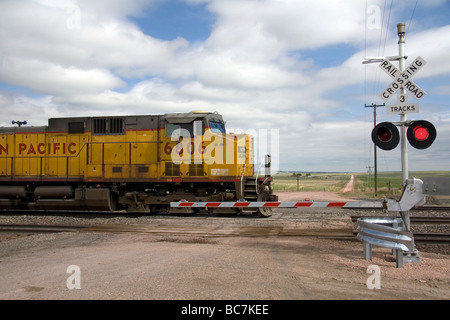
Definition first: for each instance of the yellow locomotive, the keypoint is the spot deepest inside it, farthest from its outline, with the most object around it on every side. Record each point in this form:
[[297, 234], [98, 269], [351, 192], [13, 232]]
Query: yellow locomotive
[[133, 163]]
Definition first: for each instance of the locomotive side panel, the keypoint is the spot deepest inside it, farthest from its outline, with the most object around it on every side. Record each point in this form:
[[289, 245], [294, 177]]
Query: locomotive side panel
[[123, 149], [67, 140], [22, 152], [6, 144]]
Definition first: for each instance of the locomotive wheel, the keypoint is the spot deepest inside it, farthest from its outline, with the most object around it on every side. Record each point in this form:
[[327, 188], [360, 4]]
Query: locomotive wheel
[[264, 212]]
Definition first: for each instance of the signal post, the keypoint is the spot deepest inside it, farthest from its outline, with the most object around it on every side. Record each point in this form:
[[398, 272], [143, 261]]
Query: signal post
[[420, 134]]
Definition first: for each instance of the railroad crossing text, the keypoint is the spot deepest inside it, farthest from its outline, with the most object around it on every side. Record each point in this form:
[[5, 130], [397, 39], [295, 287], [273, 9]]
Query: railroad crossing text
[[404, 108]]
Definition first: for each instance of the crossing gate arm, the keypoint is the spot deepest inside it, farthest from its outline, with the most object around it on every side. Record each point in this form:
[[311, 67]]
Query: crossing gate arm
[[412, 195], [287, 204]]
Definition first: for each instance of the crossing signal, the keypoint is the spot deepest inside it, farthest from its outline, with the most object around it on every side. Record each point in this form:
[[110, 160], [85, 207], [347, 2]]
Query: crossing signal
[[421, 134], [385, 135]]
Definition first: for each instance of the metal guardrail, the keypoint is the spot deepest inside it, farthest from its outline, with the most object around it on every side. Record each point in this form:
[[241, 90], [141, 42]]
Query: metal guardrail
[[386, 232]]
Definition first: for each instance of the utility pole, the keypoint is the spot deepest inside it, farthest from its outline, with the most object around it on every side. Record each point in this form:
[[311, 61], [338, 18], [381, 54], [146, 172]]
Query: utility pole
[[375, 106], [369, 171]]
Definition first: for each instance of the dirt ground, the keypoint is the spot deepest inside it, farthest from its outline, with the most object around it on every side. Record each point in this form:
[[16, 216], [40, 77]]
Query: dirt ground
[[136, 266]]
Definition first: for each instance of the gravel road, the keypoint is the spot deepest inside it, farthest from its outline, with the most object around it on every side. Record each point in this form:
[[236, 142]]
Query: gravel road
[[131, 265]]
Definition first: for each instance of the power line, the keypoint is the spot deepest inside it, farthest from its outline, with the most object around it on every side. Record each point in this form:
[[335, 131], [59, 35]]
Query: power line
[[412, 15]]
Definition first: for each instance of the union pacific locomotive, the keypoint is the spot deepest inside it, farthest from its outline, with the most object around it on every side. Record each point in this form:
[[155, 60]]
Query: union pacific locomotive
[[133, 163]]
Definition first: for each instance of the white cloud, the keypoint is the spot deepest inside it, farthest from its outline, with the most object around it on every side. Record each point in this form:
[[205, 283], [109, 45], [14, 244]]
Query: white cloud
[[36, 35], [251, 69], [49, 78]]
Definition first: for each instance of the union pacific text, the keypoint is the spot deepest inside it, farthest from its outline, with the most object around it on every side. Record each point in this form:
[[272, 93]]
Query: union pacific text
[[41, 148]]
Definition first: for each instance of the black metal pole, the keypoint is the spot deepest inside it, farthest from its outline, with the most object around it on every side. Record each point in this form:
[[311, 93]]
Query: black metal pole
[[374, 106]]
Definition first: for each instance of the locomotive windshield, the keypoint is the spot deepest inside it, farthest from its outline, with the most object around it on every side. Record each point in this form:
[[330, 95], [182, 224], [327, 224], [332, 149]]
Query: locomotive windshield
[[217, 127]]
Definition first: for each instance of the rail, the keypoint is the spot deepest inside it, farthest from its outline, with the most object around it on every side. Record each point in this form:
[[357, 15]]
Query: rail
[[209, 231]]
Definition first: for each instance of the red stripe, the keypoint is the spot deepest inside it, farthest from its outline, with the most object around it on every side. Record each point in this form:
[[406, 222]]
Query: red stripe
[[303, 204], [271, 204], [336, 204], [185, 204], [212, 204], [241, 204]]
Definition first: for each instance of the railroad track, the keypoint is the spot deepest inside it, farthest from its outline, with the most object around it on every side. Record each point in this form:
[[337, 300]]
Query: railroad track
[[446, 208], [33, 228], [432, 238], [181, 230], [419, 219], [7, 212], [211, 231]]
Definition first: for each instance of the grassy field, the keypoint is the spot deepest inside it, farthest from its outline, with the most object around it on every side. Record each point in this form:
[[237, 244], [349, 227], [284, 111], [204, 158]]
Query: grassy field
[[388, 183], [287, 182]]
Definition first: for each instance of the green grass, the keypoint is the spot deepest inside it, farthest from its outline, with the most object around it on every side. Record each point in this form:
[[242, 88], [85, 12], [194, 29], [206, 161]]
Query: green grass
[[389, 184], [333, 182]]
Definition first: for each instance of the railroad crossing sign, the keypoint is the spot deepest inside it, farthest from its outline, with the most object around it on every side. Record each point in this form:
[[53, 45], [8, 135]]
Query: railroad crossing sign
[[403, 106], [402, 80]]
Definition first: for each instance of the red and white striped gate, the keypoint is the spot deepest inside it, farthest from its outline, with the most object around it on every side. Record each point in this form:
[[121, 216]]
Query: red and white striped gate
[[412, 195], [286, 204]]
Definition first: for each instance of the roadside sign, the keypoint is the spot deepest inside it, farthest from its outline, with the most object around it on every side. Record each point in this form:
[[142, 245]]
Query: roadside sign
[[402, 106], [402, 79]]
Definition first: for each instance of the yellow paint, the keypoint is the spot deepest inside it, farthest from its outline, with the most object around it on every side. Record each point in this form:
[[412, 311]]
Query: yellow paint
[[132, 156]]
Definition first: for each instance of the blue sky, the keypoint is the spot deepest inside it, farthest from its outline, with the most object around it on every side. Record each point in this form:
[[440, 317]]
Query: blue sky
[[180, 19], [287, 67]]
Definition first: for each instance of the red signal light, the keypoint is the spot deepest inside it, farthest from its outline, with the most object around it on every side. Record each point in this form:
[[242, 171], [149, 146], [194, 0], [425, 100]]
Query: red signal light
[[421, 134], [384, 134]]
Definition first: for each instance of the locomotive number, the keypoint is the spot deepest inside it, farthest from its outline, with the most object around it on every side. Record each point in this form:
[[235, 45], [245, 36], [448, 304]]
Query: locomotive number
[[190, 148]]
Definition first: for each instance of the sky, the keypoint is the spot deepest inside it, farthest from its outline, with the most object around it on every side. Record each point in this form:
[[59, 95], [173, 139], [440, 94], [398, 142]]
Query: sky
[[288, 71]]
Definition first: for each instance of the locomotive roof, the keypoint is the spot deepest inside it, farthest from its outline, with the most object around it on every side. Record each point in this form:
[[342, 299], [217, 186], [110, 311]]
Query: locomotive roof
[[191, 116], [146, 120], [174, 115]]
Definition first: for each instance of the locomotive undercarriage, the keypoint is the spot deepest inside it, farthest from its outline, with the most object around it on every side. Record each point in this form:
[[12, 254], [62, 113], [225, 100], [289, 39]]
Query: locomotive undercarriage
[[136, 197], [158, 197]]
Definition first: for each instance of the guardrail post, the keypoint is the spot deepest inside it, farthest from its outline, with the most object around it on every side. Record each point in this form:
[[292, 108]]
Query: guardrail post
[[387, 232], [399, 258], [367, 248]]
